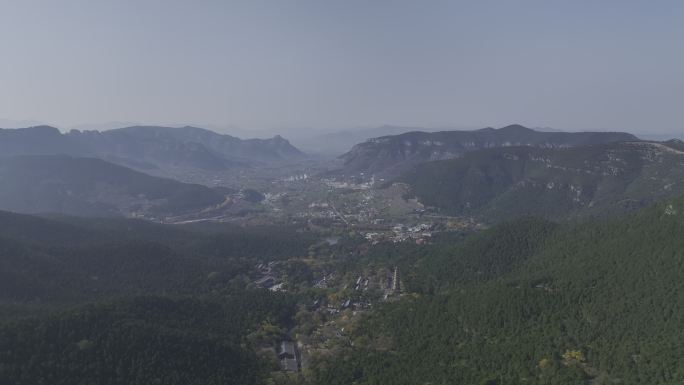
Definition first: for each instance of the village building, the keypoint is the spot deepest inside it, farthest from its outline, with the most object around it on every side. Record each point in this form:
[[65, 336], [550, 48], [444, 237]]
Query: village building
[[288, 357]]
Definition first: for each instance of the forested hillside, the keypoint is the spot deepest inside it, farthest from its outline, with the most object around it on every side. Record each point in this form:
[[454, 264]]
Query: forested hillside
[[119, 301], [49, 263], [142, 341], [504, 183], [93, 187], [527, 301], [531, 303]]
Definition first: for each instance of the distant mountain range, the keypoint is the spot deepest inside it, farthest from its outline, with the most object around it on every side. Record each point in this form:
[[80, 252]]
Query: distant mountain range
[[339, 142], [501, 183], [93, 187], [389, 156], [150, 148]]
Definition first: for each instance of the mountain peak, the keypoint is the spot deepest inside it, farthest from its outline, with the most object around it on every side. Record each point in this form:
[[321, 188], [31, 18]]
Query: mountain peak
[[388, 156], [43, 129], [516, 128]]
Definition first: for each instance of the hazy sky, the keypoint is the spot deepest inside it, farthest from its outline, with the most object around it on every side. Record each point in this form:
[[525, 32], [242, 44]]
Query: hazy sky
[[287, 63]]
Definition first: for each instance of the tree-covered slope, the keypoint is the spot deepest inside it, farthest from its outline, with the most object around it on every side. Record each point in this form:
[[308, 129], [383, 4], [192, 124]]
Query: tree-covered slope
[[142, 341], [93, 187], [503, 183], [598, 303], [117, 301], [48, 263]]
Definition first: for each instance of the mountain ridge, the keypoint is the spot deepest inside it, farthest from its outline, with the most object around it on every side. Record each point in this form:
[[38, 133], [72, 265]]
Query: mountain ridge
[[151, 147], [389, 156], [502, 183]]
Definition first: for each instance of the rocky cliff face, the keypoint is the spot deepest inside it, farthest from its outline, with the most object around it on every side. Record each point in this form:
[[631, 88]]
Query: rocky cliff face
[[389, 156], [148, 148]]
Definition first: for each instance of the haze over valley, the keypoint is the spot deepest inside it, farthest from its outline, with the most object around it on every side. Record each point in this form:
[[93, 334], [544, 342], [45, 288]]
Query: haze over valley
[[337, 193]]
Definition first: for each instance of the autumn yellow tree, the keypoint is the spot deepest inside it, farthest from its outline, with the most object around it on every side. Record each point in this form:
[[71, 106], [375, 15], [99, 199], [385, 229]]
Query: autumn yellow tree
[[573, 356]]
